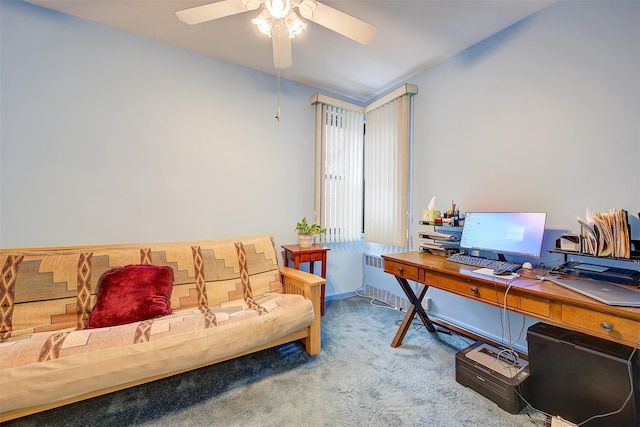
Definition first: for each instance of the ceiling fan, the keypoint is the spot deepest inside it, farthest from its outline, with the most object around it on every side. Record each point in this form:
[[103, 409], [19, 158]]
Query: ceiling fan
[[279, 21]]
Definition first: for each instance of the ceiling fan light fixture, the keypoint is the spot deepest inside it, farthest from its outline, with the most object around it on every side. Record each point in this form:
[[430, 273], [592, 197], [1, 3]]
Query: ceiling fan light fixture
[[278, 8], [306, 8], [278, 16], [264, 22], [294, 24], [251, 4]]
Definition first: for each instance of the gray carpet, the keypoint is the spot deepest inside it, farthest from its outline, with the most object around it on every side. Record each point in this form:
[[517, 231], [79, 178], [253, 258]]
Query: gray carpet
[[357, 380]]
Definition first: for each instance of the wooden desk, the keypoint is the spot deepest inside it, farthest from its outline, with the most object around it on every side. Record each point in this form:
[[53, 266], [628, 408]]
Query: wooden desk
[[542, 300], [299, 255]]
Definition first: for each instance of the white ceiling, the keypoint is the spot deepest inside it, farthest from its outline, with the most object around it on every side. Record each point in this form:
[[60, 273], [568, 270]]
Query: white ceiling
[[412, 35]]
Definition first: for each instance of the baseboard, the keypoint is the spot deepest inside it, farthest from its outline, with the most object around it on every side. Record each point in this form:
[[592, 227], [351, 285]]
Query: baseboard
[[339, 296]]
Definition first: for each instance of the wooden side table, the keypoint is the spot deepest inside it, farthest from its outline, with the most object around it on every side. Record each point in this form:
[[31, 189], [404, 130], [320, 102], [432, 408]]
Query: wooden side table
[[299, 255]]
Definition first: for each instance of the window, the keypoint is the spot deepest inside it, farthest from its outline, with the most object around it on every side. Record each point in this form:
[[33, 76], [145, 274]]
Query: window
[[340, 176], [386, 207], [364, 179]]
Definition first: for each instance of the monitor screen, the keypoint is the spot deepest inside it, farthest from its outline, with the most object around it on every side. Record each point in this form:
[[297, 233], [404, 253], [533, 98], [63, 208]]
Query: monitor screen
[[504, 233]]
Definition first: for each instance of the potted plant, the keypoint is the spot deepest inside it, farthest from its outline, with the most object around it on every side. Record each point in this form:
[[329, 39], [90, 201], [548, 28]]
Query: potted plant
[[306, 232]]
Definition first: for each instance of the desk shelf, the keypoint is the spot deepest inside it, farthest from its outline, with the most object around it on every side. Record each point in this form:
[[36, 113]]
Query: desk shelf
[[447, 226], [634, 258], [441, 247]]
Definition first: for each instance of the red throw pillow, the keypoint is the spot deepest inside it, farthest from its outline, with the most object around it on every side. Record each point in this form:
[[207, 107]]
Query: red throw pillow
[[131, 294]]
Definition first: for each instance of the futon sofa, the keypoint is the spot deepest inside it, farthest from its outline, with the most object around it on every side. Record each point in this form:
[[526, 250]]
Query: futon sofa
[[78, 322]]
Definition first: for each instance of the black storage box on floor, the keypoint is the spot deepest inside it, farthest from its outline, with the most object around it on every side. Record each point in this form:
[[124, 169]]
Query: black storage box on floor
[[577, 376], [494, 374]]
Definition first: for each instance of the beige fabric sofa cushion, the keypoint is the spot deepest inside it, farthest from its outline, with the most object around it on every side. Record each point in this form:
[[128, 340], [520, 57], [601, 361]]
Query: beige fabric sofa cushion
[[82, 361]]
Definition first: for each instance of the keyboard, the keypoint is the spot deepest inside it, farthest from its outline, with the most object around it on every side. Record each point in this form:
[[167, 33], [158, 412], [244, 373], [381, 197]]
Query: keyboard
[[485, 262]]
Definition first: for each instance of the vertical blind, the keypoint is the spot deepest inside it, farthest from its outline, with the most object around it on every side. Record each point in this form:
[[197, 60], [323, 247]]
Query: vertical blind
[[340, 181], [386, 209], [362, 178]]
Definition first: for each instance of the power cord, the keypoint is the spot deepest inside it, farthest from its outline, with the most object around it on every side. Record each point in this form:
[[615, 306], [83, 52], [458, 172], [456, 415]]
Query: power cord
[[510, 361], [373, 299]]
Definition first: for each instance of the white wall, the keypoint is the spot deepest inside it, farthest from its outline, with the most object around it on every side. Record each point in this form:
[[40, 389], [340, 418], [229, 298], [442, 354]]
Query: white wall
[[106, 136], [544, 116], [111, 137]]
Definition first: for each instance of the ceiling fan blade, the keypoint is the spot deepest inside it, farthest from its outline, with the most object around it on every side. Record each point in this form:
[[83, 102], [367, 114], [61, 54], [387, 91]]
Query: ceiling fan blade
[[344, 24], [211, 11], [281, 47]]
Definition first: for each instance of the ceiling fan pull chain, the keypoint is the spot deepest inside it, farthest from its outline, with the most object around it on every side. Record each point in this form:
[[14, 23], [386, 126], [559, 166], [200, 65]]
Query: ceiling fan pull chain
[[278, 110]]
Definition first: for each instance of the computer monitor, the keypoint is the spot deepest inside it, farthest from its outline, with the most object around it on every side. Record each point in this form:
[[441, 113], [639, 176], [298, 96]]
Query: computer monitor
[[504, 233]]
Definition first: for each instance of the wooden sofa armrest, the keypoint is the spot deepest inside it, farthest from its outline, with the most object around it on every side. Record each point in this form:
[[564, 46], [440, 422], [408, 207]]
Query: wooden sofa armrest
[[307, 285]]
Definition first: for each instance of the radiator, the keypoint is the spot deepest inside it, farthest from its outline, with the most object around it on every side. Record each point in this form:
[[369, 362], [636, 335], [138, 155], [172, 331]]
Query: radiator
[[382, 286]]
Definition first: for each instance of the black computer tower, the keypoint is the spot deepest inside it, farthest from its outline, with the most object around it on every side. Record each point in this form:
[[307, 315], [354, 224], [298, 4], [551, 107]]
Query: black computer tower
[[578, 376]]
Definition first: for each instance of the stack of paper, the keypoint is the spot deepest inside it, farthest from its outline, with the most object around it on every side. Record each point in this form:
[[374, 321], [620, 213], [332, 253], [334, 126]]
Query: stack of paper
[[606, 233], [434, 248], [435, 235], [442, 243]]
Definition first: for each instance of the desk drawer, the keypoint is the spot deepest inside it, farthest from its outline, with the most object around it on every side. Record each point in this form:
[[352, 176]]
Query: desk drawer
[[401, 270], [539, 306], [311, 257], [609, 325], [464, 287]]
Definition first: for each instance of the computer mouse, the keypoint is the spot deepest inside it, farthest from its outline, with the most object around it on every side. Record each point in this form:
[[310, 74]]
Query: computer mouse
[[501, 272], [527, 265]]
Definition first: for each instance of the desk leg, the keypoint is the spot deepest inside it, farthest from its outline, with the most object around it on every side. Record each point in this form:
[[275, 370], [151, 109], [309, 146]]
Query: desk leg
[[416, 306]]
